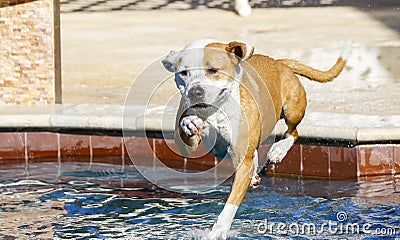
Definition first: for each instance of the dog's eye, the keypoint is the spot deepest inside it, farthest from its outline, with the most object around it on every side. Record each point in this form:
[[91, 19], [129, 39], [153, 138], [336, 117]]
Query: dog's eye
[[183, 73], [212, 70]]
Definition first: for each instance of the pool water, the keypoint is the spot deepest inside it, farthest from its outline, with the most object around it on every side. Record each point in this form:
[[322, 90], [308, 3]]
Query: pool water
[[102, 201]]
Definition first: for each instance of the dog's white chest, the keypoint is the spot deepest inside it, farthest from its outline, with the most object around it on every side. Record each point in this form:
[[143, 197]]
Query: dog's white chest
[[224, 128], [221, 122]]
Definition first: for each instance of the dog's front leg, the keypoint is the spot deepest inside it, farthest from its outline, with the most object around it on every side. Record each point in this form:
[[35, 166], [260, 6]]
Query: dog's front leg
[[187, 130], [240, 185], [187, 134]]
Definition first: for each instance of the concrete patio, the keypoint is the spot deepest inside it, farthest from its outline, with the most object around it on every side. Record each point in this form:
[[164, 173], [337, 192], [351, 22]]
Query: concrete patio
[[104, 51]]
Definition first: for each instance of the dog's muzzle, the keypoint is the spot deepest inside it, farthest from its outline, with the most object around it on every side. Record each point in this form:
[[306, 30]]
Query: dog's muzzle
[[206, 96], [197, 96]]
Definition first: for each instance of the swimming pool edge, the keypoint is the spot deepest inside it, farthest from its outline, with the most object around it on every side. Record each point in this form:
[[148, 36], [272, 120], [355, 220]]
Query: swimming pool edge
[[94, 131]]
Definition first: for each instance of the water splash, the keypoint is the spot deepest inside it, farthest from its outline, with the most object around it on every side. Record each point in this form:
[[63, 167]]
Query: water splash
[[203, 234]]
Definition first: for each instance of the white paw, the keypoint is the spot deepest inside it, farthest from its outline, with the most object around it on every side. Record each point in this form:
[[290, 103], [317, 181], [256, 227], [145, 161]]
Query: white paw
[[243, 8], [276, 154], [279, 149], [191, 125], [221, 229], [218, 234], [255, 181]]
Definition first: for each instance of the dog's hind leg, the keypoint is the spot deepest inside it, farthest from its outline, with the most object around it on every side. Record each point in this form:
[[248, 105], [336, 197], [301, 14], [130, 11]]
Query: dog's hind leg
[[279, 149], [293, 110]]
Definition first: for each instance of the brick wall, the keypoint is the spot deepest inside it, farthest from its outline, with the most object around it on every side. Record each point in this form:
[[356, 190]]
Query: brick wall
[[29, 52]]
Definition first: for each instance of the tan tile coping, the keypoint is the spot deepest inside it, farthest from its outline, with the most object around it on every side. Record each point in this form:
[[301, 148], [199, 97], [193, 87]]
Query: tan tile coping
[[316, 125], [56, 133]]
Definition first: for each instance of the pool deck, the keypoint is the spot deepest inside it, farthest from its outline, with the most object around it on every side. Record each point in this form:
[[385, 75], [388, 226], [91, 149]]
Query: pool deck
[[362, 104], [104, 52]]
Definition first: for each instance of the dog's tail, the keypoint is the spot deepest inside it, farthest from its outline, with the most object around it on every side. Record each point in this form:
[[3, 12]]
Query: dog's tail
[[317, 75]]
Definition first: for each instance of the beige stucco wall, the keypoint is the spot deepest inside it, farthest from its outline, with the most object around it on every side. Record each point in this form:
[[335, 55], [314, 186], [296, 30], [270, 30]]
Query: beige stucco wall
[[29, 52]]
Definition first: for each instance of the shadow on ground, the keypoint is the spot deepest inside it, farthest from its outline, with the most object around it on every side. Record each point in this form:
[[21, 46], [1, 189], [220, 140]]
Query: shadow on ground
[[112, 5], [389, 18]]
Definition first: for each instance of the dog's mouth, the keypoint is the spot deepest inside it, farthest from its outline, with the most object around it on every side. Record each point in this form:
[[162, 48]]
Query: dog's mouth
[[201, 105]]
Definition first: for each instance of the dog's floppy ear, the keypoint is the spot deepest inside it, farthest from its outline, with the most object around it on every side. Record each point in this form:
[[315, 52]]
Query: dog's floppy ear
[[170, 60], [241, 50]]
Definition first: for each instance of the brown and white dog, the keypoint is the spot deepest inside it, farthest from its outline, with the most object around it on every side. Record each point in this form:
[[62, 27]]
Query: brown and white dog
[[231, 101]]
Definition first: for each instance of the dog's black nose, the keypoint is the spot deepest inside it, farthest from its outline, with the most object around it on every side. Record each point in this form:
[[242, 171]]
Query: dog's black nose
[[196, 93]]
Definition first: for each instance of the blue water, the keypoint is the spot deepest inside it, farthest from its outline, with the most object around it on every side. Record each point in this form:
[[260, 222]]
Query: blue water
[[103, 201]]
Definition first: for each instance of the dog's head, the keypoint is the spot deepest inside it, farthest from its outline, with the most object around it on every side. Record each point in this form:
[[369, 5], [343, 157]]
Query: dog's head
[[206, 71]]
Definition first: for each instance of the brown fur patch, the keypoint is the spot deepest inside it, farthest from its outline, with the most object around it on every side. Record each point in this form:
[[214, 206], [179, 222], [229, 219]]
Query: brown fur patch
[[219, 64]]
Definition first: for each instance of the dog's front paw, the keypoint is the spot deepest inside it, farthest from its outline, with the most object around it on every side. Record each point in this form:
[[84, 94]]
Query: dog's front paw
[[255, 181], [192, 125], [218, 234]]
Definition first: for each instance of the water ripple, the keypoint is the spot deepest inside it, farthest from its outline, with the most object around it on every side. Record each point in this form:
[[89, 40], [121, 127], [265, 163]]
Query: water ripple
[[120, 205]]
